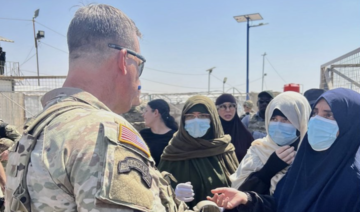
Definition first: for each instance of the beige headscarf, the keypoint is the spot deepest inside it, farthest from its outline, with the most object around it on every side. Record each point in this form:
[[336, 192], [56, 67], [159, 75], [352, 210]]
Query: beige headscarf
[[297, 110], [183, 146]]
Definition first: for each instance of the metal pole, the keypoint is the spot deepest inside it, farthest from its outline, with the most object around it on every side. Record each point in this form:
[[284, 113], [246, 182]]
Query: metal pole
[[247, 60], [37, 56], [223, 87], [262, 83], [209, 82]]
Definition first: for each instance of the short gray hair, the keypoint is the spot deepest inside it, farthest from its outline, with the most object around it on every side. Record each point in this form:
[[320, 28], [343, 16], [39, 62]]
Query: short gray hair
[[94, 26]]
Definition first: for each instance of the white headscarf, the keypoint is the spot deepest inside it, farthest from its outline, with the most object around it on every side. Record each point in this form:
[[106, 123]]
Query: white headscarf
[[297, 110]]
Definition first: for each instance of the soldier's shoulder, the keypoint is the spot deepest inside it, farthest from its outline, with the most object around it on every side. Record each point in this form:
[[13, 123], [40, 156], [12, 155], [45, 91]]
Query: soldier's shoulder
[[85, 117], [84, 125]]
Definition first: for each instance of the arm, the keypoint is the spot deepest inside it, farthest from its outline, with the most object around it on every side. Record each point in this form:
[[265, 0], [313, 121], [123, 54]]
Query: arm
[[2, 177], [230, 198], [250, 163], [260, 181]]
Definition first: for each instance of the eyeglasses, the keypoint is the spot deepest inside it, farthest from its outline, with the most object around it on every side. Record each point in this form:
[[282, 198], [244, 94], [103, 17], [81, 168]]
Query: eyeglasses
[[225, 107], [199, 116], [140, 65], [262, 102]]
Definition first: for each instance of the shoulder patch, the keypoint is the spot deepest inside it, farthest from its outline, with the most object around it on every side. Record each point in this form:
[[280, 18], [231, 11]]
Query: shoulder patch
[[129, 163], [130, 137]]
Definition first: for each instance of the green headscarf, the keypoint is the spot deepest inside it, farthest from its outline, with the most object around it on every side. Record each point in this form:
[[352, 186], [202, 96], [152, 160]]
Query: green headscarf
[[207, 164]]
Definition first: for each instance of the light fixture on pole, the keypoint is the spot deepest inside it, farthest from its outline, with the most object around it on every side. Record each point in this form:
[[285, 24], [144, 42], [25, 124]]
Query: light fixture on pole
[[209, 70], [224, 84], [36, 14], [263, 74], [248, 18]]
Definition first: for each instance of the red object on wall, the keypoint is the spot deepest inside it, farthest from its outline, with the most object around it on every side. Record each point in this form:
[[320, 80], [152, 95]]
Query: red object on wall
[[292, 87]]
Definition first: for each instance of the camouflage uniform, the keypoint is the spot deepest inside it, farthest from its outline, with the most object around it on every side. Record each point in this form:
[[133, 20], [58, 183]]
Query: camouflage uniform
[[86, 158], [8, 135], [255, 124]]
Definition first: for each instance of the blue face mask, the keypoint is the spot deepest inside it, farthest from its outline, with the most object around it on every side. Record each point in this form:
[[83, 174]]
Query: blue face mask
[[321, 133], [282, 133], [197, 127]]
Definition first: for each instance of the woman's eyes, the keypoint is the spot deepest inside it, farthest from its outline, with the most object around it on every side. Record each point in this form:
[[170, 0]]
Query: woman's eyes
[[329, 116]]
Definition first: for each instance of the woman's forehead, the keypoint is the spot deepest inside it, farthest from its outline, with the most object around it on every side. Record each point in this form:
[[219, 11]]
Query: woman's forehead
[[226, 103], [195, 112], [322, 105]]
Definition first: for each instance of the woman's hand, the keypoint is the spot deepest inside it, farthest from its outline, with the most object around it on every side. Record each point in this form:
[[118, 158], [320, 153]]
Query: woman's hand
[[286, 154], [228, 198]]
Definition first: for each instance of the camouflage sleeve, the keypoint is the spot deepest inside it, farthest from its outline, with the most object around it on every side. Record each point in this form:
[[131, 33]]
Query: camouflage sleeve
[[5, 144], [12, 133], [86, 167]]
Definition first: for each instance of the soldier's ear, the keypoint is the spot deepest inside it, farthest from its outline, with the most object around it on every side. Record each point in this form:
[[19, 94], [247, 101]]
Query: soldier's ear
[[121, 61]]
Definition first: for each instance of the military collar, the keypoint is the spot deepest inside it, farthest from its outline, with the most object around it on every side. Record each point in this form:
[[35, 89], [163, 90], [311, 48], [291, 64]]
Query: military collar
[[257, 116], [76, 94]]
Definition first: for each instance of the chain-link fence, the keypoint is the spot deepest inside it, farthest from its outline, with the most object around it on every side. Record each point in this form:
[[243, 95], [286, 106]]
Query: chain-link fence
[[20, 96], [342, 72]]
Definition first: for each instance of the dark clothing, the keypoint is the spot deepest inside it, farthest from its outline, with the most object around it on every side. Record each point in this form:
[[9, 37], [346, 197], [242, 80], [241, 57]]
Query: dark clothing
[[321, 180], [206, 163], [203, 173], [326, 180], [2, 129], [156, 142], [3, 56], [2, 62], [312, 95], [257, 203], [260, 181], [240, 136]]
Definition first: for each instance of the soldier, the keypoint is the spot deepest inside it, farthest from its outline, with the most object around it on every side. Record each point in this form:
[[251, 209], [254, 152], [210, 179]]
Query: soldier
[[255, 123], [248, 105], [8, 135], [2, 61], [78, 154]]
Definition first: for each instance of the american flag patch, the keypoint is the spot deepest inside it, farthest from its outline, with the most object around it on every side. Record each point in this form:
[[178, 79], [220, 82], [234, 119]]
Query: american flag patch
[[128, 136]]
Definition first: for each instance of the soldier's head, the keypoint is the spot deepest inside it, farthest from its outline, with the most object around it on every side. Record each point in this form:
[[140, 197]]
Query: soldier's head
[[105, 55], [248, 105], [264, 98]]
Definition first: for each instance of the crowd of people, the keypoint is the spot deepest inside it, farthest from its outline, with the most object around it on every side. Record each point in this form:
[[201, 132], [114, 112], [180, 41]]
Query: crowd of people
[[297, 153]]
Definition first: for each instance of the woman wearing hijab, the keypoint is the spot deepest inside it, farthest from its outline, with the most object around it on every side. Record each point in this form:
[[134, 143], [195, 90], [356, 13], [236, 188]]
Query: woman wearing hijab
[[325, 173], [161, 125], [232, 125], [199, 152], [265, 163]]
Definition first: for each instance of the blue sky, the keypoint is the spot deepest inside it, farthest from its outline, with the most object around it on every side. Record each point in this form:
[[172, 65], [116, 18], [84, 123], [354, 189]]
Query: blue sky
[[188, 37]]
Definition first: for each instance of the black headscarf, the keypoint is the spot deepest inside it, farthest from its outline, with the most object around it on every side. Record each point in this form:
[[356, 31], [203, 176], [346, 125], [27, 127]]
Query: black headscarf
[[326, 180], [240, 136]]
